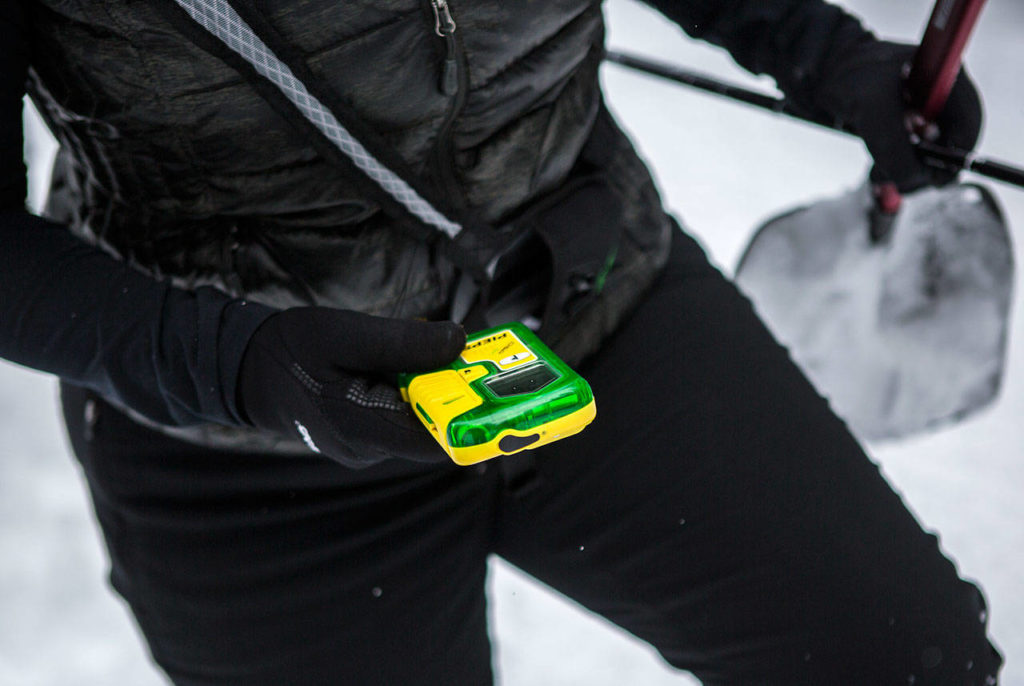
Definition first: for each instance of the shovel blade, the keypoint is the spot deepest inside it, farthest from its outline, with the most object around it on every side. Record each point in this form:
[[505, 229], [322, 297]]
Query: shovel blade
[[903, 335]]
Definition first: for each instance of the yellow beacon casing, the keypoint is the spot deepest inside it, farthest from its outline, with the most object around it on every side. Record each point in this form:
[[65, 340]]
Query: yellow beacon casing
[[507, 392]]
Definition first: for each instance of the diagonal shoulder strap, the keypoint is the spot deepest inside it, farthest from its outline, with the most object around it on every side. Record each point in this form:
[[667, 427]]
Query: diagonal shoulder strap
[[472, 250]]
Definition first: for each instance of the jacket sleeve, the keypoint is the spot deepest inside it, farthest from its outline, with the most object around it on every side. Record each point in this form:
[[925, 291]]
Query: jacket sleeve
[[72, 310], [790, 40]]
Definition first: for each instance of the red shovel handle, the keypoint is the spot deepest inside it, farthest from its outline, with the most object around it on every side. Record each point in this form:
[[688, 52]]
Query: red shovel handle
[[932, 75], [937, 60]]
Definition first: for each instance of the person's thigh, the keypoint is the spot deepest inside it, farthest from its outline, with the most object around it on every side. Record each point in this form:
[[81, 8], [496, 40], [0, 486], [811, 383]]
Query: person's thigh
[[267, 570], [719, 510]]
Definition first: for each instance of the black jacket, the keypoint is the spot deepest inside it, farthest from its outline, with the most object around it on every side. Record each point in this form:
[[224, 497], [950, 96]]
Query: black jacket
[[197, 193]]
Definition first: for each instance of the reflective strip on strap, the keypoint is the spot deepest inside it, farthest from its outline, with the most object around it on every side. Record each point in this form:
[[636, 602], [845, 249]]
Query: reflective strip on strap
[[221, 20]]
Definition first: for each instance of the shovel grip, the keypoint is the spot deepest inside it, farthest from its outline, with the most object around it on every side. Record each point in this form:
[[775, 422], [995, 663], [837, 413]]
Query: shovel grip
[[929, 81]]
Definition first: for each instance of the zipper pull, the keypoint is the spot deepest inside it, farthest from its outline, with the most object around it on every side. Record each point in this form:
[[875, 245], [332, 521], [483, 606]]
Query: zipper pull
[[444, 26]]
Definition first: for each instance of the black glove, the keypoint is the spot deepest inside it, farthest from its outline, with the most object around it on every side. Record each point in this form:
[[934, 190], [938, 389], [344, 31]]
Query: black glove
[[861, 86], [326, 376]]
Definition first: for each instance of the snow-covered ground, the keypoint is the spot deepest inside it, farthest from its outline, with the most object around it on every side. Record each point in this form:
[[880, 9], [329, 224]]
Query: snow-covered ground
[[723, 168]]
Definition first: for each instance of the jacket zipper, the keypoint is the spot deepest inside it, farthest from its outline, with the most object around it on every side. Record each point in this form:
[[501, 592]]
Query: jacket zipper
[[444, 26], [454, 82]]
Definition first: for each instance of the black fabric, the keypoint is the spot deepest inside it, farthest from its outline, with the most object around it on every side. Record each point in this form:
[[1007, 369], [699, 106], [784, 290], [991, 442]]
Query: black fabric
[[715, 508], [586, 228], [328, 377], [290, 570], [579, 262], [562, 251], [176, 373], [471, 252], [786, 39], [177, 183], [13, 70], [73, 310]]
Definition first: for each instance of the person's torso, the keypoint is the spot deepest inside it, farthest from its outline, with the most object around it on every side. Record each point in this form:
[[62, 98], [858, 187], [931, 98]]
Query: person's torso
[[173, 160]]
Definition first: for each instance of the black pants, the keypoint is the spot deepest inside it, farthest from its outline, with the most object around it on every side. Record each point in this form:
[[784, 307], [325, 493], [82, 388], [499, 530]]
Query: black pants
[[716, 508]]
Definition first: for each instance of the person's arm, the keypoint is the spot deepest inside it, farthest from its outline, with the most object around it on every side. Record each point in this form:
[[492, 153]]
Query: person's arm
[[182, 357], [788, 40], [72, 310], [827, 63]]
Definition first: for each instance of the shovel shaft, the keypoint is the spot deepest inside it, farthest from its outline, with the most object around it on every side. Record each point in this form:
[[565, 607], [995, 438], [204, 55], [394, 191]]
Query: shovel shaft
[[937, 60], [932, 153], [716, 86], [928, 84], [951, 158]]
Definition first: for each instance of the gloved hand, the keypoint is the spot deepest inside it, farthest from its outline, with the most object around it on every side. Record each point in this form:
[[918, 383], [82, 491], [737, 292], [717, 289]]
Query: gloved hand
[[325, 376], [861, 86]]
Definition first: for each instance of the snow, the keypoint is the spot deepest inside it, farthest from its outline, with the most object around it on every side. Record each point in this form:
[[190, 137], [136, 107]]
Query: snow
[[723, 168]]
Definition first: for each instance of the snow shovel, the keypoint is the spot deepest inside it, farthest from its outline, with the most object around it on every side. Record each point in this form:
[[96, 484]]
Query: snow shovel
[[903, 327], [902, 335]]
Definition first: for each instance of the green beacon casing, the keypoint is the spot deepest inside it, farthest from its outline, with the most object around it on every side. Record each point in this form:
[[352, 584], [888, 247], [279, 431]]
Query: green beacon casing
[[505, 393]]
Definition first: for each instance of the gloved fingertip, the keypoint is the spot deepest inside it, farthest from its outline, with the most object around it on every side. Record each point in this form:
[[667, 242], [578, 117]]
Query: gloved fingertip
[[457, 341], [448, 341], [419, 346]]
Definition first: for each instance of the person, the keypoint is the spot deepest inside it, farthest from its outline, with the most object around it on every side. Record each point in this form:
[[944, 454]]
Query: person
[[226, 304]]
